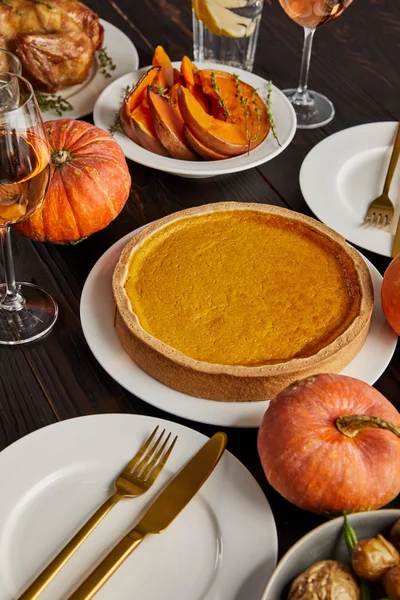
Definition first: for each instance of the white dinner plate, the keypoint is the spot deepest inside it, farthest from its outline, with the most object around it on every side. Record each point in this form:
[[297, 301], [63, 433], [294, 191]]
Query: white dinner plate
[[84, 95], [223, 545], [97, 318], [342, 174], [284, 116]]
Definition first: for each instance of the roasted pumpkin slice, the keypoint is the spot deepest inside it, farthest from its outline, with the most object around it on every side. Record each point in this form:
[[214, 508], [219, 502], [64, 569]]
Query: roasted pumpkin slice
[[199, 148], [165, 77], [168, 125], [193, 83], [144, 131], [178, 77], [190, 72], [133, 99], [238, 134], [228, 90]]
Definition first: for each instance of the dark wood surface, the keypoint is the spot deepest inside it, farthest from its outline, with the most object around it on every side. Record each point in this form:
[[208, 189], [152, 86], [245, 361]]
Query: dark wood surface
[[356, 63]]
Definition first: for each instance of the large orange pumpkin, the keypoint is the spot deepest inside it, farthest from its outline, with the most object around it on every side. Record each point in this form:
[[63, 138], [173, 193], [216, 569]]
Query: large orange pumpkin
[[312, 464], [89, 186], [391, 294]]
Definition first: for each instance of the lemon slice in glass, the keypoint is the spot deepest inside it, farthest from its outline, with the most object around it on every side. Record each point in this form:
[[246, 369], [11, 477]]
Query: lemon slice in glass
[[216, 16]]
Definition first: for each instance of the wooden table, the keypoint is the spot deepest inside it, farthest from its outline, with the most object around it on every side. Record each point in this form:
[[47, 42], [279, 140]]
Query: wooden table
[[356, 64]]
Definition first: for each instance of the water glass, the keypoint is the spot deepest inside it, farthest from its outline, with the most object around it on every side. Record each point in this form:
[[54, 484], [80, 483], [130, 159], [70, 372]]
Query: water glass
[[226, 31]]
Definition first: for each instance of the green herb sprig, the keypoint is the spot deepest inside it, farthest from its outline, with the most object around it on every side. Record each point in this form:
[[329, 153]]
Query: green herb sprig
[[106, 62], [161, 91], [221, 100], [257, 110], [351, 540], [269, 113], [46, 4], [244, 103], [12, 7], [53, 102], [116, 124]]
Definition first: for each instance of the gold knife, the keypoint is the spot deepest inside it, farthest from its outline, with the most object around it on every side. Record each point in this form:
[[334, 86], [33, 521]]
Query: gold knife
[[396, 241], [161, 513]]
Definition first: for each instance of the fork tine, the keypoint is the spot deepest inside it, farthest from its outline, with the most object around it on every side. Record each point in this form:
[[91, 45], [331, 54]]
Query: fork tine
[[160, 465], [132, 464], [148, 456], [152, 463]]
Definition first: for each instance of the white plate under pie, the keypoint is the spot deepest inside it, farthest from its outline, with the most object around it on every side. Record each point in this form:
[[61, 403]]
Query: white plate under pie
[[223, 545], [284, 117], [97, 318], [342, 174], [83, 96]]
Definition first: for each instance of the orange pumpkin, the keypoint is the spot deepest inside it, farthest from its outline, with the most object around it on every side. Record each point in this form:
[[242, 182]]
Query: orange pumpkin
[[319, 468], [391, 294], [89, 186]]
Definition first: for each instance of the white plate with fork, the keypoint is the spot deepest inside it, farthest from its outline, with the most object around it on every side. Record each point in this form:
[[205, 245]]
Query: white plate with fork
[[342, 174], [223, 544]]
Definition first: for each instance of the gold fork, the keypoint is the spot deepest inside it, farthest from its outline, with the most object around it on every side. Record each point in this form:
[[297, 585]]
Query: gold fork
[[134, 480], [381, 210]]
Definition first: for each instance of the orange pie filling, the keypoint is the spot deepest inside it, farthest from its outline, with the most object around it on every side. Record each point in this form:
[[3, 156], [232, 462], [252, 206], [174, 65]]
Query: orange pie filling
[[242, 288]]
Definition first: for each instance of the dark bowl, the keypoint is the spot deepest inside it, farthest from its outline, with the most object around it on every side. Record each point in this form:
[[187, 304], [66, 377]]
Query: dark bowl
[[326, 541]]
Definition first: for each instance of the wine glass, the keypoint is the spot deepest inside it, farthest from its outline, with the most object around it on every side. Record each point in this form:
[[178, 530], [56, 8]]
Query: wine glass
[[312, 109], [26, 311], [9, 63]]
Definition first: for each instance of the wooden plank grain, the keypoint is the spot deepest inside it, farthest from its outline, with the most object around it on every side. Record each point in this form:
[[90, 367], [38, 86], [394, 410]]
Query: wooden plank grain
[[23, 404]]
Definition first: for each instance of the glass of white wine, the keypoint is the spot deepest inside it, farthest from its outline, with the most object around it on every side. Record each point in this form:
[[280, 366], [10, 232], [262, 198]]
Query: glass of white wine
[[9, 63], [26, 311], [312, 108]]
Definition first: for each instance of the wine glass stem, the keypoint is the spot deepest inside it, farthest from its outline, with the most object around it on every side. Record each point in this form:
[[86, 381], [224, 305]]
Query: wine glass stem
[[302, 97], [12, 300]]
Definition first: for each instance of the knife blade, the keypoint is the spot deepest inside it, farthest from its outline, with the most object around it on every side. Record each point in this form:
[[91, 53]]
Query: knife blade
[[161, 513], [396, 241]]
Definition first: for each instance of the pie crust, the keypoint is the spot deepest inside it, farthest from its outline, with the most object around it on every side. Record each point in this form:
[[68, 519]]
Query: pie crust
[[250, 381]]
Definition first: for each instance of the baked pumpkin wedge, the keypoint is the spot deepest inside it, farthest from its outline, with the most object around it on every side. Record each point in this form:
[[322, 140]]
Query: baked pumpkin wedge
[[232, 137], [133, 99], [168, 125]]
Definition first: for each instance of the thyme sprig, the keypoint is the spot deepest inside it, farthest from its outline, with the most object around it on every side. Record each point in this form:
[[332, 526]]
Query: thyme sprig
[[161, 91], [269, 112], [106, 62], [116, 124], [221, 100], [244, 104], [53, 102], [46, 4], [12, 7], [257, 110]]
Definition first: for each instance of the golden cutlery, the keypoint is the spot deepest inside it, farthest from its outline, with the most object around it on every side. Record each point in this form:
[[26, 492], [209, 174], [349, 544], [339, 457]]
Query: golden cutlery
[[134, 480], [396, 241], [161, 513], [381, 210]]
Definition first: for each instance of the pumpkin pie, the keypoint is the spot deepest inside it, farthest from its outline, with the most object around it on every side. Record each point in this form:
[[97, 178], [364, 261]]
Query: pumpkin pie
[[234, 301]]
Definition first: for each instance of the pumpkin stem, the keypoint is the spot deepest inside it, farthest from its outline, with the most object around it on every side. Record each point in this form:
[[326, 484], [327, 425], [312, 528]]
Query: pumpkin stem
[[59, 157], [351, 425]]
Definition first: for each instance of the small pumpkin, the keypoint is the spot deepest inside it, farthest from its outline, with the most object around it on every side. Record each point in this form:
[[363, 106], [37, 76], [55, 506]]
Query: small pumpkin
[[327, 444], [90, 184], [391, 294]]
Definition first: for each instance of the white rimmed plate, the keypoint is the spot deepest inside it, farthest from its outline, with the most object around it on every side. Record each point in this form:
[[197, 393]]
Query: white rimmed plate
[[284, 116], [223, 545], [84, 95], [342, 174], [97, 318]]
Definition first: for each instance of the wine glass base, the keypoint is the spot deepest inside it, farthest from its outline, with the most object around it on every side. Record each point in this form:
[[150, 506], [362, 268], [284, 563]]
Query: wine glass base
[[33, 321], [316, 111]]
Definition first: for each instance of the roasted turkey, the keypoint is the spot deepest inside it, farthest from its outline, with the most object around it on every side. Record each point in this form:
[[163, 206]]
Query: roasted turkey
[[54, 39]]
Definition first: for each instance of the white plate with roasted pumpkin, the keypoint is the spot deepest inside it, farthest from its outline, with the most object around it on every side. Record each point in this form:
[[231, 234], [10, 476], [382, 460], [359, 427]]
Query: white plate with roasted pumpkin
[[196, 120]]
